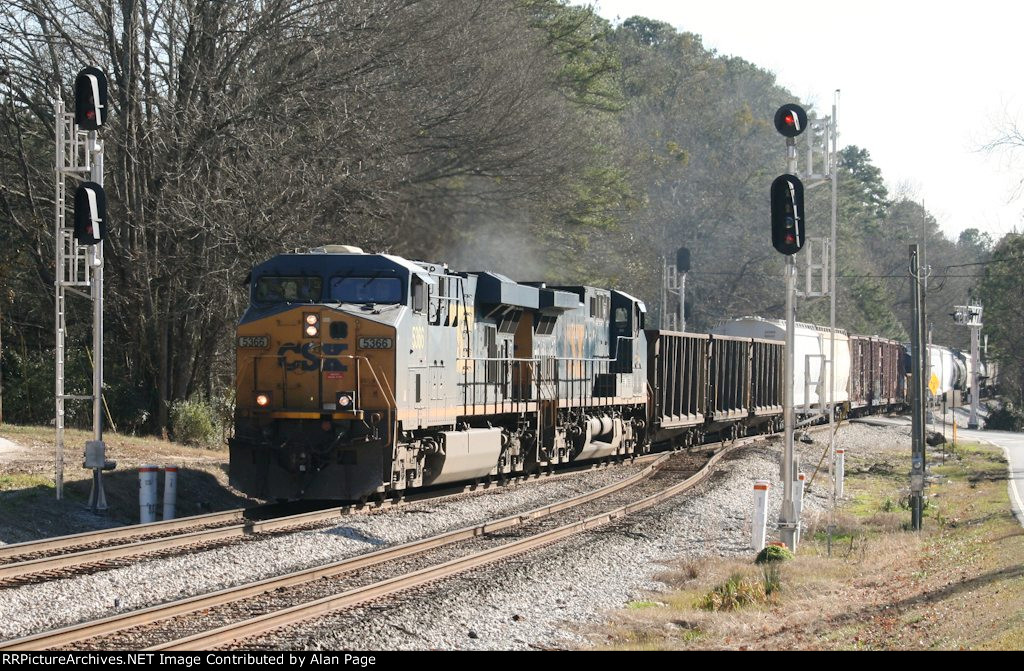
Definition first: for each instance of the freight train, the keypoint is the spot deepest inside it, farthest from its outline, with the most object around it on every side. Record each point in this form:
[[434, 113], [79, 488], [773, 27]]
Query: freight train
[[363, 375]]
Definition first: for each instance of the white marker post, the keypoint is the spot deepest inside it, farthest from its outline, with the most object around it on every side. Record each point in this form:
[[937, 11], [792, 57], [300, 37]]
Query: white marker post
[[147, 493], [760, 514], [170, 491], [840, 471]]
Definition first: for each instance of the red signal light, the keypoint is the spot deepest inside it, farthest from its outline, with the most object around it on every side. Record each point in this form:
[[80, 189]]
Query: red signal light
[[790, 239], [790, 120]]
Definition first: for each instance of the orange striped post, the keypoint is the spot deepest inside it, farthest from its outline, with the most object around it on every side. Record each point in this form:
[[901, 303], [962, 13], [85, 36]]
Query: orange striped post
[[760, 514]]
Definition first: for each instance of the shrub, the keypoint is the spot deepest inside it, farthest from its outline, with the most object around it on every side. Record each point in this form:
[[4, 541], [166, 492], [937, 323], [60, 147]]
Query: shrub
[[773, 553], [224, 407], [1004, 417], [734, 593], [194, 422]]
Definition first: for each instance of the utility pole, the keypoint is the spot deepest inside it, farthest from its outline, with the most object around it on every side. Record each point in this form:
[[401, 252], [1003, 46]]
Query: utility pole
[[918, 361]]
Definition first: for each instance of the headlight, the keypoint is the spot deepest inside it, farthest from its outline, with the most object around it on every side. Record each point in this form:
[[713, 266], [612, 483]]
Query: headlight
[[346, 400], [312, 328], [262, 399]]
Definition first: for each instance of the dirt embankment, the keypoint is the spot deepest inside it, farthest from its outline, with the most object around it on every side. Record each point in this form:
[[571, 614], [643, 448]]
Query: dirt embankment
[[28, 506]]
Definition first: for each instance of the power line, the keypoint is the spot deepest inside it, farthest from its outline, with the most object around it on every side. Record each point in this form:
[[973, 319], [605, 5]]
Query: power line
[[985, 263], [876, 276]]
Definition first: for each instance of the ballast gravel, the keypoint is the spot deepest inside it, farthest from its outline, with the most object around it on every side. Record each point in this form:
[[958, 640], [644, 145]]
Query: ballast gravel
[[40, 607], [543, 598], [549, 598]]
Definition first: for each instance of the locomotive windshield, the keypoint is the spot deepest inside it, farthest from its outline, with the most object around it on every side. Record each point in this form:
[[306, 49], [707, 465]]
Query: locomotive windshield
[[366, 290], [288, 289]]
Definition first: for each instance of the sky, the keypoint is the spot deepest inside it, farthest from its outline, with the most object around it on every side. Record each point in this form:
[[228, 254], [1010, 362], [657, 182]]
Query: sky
[[923, 85]]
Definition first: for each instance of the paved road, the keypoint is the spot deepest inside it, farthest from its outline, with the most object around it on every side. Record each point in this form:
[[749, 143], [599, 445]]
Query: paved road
[[1012, 444], [8, 447]]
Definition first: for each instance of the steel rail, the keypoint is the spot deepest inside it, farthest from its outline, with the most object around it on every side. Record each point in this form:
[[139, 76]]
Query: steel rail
[[89, 537], [268, 622], [93, 556], [80, 632]]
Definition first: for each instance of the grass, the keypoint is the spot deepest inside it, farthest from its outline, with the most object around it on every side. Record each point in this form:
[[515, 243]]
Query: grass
[[736, 592], [40, 440], [27, 488], [957, 584], [22, 481]]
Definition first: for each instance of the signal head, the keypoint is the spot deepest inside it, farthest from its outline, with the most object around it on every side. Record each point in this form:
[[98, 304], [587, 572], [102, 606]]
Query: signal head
[[90, 99], [90, 213], [787, 196], [790, 120], [683, 259]]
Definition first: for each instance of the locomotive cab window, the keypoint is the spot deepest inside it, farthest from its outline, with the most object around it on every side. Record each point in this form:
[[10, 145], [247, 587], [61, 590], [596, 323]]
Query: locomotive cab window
[[419, 294], [276, 289], [546, 325], [370, 289]]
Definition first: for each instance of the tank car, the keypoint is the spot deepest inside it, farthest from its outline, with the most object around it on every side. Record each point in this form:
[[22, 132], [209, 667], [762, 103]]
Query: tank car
[[943, 369]]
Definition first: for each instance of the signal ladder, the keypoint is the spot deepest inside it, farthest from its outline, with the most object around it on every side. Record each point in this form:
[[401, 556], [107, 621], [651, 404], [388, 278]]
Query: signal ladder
[[79, 270]]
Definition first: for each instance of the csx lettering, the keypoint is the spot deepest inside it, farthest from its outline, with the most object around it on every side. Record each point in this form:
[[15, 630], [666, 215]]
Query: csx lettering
[[310, 358]]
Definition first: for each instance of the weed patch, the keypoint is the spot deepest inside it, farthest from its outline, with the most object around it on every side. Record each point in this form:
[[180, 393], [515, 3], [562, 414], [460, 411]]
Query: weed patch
[[736, 592]]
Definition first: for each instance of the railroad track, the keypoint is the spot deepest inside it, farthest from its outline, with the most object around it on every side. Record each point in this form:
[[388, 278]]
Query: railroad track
[[90, 552], [234, 614]]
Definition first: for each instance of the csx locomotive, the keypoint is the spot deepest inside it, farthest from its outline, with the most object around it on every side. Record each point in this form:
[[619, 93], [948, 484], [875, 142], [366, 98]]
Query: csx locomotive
[[362, 375]]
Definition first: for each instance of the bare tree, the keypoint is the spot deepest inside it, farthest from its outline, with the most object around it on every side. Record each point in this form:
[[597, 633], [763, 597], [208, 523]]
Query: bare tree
[[239, 130]]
